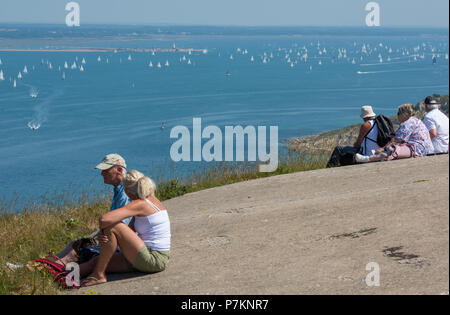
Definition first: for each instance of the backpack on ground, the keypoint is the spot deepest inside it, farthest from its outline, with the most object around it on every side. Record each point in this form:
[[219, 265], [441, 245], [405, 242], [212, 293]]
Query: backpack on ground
[[385, 130], [58, 270]]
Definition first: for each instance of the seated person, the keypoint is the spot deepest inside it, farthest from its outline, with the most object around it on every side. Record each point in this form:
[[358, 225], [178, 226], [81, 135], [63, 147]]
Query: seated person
[[366, 142], [412, 139], [113, 170], [144, 244], [437, 125]]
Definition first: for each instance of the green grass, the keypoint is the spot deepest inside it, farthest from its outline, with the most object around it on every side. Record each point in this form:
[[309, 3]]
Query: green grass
[[46, 228]]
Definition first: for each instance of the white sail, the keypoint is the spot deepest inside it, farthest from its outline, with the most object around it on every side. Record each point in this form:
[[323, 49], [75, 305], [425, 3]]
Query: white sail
[[64, 76], [19, 76], [1, 62], [15, 83], [167, 63], [252, 59], [129, 57], [25, 70], [159, 65], [189, 62], [74, 65], [83, 61], [2, 78], [99, 59], [50, 66], [81, 68], [150, 64], [66, 66]]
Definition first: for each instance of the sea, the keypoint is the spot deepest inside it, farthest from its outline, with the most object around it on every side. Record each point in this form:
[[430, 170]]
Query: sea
[[97, 89]]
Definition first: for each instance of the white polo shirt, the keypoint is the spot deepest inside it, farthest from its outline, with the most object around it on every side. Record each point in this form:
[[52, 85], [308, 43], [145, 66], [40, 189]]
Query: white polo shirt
[[435, 119]]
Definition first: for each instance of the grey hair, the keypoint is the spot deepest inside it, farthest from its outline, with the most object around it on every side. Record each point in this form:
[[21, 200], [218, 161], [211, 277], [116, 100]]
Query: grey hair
[[124, 170], [432, 106]]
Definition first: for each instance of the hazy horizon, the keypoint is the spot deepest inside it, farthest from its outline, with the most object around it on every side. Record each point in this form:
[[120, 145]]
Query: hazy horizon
[[245, 13]]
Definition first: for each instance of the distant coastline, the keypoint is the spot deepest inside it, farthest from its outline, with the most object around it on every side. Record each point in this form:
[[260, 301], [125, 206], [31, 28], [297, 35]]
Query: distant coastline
[[104, 50]]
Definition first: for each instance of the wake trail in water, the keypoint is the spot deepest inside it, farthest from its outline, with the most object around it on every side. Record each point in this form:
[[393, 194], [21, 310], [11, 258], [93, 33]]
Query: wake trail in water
[[389, 71], [41, 111]]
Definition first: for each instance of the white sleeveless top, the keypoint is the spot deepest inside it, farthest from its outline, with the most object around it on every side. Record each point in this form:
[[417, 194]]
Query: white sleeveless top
[[367, 145], [154, 229]]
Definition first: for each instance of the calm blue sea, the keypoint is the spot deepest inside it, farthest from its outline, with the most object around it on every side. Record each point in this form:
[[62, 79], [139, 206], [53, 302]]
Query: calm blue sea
[[305, 81]]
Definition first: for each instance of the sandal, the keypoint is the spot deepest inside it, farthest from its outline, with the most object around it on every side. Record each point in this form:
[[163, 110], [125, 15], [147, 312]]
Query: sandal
[[89, 279]]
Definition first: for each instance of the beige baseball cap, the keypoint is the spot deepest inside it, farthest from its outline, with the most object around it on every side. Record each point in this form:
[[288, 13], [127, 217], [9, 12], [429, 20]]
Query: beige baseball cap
[[367, 111], [111, 160]]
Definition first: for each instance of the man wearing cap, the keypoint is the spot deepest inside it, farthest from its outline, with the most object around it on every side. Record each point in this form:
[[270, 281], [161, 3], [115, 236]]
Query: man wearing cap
[[437, 125], [113, 169], [365, 143]]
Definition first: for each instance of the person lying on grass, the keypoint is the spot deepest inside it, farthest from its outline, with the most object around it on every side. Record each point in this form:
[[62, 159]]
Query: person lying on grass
[[144, 244]]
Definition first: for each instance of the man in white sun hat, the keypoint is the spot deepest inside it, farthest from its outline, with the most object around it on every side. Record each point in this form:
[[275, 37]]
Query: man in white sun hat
[[365, 143]]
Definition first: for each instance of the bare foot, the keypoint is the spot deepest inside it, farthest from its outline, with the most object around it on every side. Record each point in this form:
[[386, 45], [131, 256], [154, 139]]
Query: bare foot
[[93, 280]]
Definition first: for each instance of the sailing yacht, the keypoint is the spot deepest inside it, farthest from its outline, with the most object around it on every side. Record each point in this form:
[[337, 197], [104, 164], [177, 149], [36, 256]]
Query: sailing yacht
[[74, 65], [63, 76], [252, 59], [83, 61], [15, 83], [1, 62], [2, 78], [167, 63], [150, 64], [99, 59], [25, 70], [81, 68], [66, 66], [189, 62], [19, 76], [159, 65], [129, 57]]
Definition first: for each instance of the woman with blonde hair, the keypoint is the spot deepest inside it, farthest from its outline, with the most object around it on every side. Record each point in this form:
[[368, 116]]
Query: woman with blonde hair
[[412, 139], [144, 244]]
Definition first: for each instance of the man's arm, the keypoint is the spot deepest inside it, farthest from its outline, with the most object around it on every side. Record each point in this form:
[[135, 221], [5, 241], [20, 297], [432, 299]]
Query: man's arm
[[113, 217], [433, 133], [363, 131]]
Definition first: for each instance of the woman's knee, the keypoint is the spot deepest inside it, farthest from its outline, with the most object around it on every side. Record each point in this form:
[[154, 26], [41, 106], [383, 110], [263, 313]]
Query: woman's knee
[[114, 228]]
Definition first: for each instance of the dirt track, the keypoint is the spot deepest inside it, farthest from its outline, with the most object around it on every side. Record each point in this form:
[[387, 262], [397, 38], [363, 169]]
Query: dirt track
[[309, 233]]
